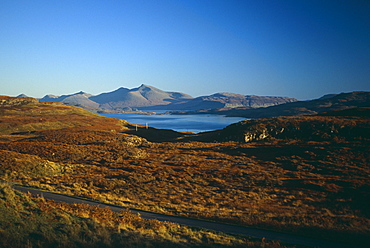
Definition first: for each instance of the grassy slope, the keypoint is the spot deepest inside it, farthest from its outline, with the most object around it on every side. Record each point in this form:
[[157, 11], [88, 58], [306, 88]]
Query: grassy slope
[[37, 116], [28, 221], [312, 187]]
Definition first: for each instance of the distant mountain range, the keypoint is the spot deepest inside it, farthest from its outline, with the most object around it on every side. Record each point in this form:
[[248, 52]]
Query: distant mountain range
[[148, 97], [327, 103], [227, 100]]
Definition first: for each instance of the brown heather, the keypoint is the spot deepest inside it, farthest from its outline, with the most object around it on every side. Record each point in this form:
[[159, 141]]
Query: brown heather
[[314, 185], [28, 221]]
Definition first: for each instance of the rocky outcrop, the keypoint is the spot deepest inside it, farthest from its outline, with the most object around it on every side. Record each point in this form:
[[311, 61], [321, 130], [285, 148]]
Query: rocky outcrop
[[300, 128], [261, 134]]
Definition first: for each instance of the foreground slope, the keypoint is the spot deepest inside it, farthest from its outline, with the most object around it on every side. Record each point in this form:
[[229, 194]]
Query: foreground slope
[[44, 141], [28, 221], [314, 185]]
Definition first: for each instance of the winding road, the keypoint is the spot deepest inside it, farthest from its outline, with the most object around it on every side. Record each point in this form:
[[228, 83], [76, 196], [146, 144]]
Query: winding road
[[230, 229]]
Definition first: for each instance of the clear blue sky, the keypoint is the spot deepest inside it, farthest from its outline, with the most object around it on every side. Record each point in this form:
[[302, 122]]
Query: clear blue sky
[[296, 48]]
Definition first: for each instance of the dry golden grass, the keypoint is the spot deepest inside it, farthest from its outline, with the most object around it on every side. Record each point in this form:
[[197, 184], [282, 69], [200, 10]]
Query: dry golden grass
[[316, 187], [28, 221]]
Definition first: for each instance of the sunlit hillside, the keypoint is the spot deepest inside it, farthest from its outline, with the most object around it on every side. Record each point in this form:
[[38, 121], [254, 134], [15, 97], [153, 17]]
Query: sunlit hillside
[[310, 179], [28, 221]]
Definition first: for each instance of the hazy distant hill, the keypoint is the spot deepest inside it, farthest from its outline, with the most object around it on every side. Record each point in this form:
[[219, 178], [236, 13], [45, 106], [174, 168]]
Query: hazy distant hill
[[299, 108], [149, 97], [22, 95], [229, 100], [78, 99], [231, 104], [144, 95]]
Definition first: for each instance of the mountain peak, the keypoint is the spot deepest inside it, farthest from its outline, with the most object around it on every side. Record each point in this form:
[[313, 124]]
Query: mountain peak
[[50, 96], [142, 96], [149, 97], [146, 87]]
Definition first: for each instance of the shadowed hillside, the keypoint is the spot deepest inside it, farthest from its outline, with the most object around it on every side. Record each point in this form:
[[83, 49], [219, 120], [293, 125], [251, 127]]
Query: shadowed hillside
[[299, 108], [351, 124]]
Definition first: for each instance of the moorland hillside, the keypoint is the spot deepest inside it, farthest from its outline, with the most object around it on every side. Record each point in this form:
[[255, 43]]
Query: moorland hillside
[[315, 185], [349, 124], [29, 221]]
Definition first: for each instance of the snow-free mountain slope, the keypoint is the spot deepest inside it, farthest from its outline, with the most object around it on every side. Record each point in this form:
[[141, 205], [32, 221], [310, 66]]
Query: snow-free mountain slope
[[144, 95], [78, 99], [149, 97], [229, 100], [299, 108]]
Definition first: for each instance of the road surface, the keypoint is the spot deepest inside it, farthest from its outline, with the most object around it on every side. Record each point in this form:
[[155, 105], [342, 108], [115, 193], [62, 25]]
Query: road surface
[[231, 229]]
